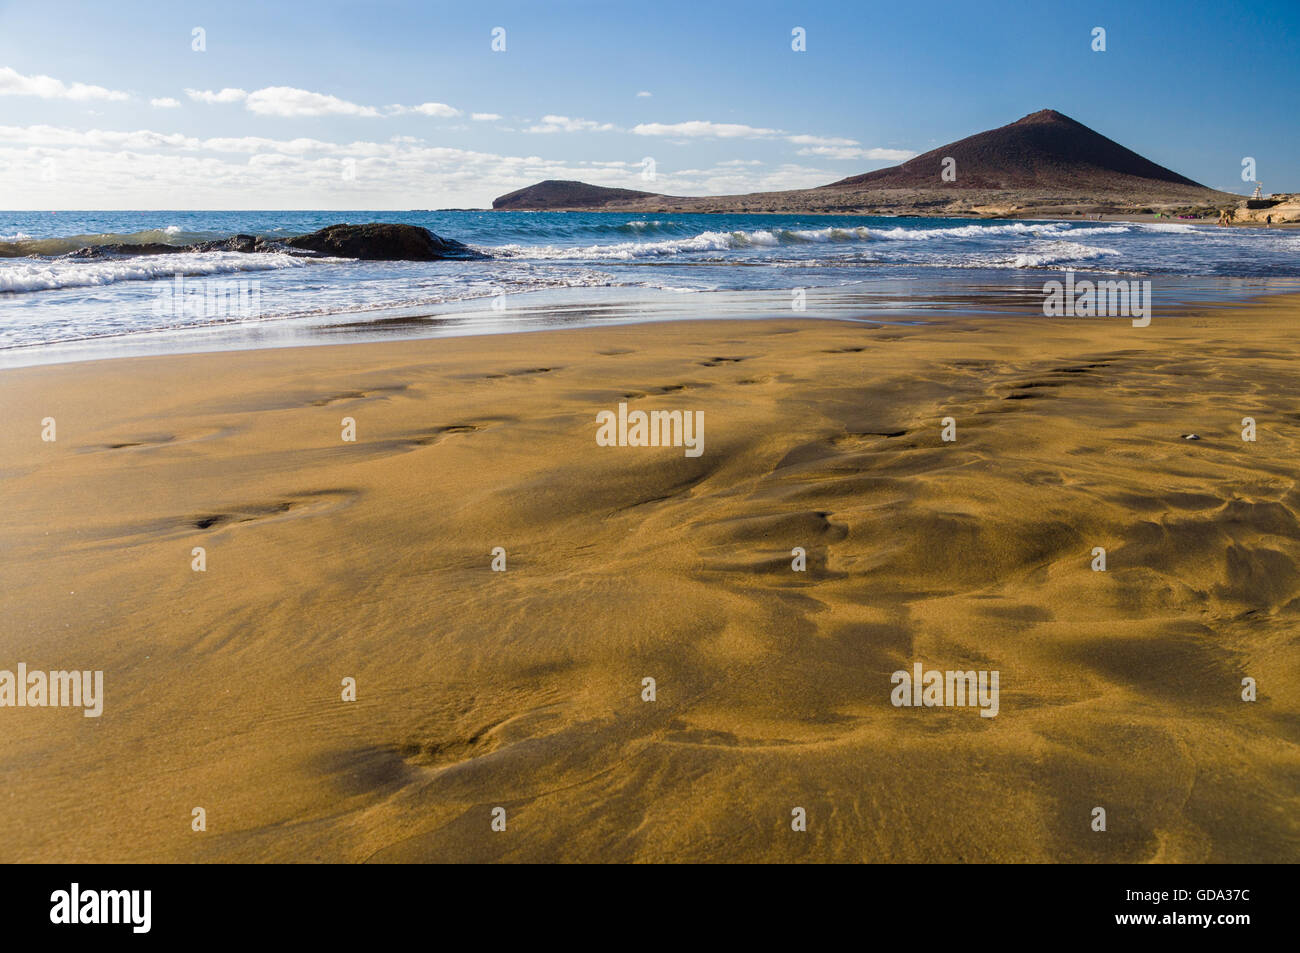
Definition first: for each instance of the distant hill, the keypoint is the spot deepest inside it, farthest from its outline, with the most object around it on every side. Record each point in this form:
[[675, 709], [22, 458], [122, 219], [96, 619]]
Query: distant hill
[[563, 194], [1045, 164], [1044, 150]]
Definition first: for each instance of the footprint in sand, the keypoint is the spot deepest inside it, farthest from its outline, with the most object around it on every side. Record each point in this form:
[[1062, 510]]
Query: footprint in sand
[[296, 505], [520, 372], [154, 441], [382, 390]]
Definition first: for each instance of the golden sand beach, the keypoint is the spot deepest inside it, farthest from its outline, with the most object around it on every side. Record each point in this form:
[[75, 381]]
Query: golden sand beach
[[371, 559]]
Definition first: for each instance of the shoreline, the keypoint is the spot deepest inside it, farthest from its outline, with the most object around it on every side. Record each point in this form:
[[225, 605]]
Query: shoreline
[[371, 559], [626, 306], [71, 309]]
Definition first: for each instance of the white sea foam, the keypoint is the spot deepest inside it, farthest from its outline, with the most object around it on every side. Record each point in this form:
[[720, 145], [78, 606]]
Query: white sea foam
[[703, 242], [27, 274], [1056, 252], [1098, 230], [1169, 227], [1007, 230], [718, 241], [963, 231]]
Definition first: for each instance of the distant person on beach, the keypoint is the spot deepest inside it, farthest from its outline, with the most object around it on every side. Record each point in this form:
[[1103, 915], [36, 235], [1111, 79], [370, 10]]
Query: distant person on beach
[[1268, 221]]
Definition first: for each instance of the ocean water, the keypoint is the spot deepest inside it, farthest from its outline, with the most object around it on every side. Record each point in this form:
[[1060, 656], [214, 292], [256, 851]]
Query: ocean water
[[549, 269]]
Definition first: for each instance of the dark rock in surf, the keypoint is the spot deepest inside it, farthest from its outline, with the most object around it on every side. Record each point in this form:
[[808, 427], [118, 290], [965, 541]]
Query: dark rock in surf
[[240, 243], [379, 242], [118, 248], [374, 242]]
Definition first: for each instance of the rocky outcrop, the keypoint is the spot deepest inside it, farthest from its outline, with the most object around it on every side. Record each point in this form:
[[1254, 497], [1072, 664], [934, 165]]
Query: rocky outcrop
[[372, 242], [1278, 209], [241, 243], [119, 248], [379, 242]]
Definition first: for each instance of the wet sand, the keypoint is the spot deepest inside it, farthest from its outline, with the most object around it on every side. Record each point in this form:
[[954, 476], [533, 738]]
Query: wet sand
[[328, 559]]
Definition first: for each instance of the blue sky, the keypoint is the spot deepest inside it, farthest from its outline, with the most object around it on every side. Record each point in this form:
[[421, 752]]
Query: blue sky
[[406, 105]]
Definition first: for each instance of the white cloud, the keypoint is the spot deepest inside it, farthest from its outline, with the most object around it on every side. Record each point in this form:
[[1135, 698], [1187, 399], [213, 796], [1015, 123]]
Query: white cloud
[[166, 102], [227, 95], [820, 141], [292, 102], [436, 109], [644, 95], [99, 168], [702, 128], [831, 147], [441, 110], [484, 117], [845, 152], [54, 137], [894, 155], [565, 124], [13, 83]]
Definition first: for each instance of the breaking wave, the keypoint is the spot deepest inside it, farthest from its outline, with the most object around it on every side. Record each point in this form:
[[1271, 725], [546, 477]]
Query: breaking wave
[[741, 240], [1057, 253], [42, 275], [22, 245]]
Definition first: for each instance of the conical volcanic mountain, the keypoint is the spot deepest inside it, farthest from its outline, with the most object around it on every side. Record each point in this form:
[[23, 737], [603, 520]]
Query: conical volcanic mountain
[[1045, 164], [1044, 150]]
